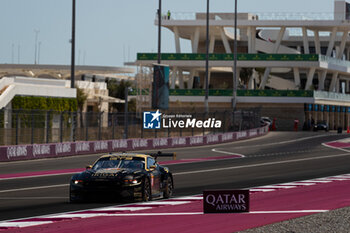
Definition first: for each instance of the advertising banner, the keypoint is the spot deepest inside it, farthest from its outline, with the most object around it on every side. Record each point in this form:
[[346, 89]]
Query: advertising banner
[[52, 150], [225, 201]]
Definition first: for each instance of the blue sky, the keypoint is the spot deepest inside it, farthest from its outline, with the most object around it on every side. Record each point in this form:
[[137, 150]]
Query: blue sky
[[108, 32]]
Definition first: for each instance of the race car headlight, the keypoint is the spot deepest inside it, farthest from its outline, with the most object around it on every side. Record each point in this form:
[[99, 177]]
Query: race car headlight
[[131, 181], [77, 182]]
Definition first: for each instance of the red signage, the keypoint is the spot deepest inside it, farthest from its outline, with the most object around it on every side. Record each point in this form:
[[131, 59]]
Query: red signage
[[226, 201]]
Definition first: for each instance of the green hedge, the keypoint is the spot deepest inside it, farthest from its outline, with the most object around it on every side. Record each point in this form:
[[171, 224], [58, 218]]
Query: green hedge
[[33, 110], [44, 103], [227, 57]]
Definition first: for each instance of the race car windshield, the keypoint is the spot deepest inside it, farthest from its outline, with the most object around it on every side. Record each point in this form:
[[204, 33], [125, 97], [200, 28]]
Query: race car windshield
[[105, 163]]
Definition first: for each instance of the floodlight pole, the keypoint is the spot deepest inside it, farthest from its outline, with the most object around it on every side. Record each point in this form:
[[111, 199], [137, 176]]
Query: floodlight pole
[[72, 73], [234, 99], [36, 44], [159, 29], [206, 104]]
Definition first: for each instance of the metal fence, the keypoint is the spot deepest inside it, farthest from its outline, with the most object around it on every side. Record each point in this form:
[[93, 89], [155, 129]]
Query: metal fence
[[37, 126]]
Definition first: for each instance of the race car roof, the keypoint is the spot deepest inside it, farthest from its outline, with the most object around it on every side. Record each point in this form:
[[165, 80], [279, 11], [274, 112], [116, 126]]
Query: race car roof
[[126, 154]]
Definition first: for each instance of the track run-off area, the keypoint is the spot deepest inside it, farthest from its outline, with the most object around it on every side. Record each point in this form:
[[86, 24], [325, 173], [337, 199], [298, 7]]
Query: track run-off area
[[289, 174]]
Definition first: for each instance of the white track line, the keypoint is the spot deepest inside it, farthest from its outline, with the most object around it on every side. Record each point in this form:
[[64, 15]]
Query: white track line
[[31, 198], [331, 179], [333, 147], [288, 211], [78, 215], [213, 170], [35, 223], [176, 201], [164, 203], [36, 176], [123, 208], [227, 152], [32, 188], [321, 181], [24, 224], [278, 186], [189, 198], [299, 184], [261, 164], [261, 190]]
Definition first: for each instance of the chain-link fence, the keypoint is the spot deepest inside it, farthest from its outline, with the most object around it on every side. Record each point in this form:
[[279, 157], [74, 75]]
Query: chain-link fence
[[37, 126]]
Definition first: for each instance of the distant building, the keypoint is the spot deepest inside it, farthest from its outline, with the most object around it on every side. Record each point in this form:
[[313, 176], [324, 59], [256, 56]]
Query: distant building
[[53, 81]]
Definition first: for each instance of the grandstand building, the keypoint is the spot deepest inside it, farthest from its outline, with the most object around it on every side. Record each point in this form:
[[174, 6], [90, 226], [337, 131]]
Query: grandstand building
[[292, 66]]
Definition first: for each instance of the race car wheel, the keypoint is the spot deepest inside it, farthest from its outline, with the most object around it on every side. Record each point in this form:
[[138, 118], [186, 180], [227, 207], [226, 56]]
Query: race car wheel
[[168, 188], [146, 191]]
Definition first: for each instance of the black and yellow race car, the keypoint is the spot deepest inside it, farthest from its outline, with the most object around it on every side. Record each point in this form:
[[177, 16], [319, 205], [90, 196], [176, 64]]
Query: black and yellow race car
[[123, 176]]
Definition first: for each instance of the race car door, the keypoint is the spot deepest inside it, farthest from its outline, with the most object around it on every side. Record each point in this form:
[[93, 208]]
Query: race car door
[[155, 176]]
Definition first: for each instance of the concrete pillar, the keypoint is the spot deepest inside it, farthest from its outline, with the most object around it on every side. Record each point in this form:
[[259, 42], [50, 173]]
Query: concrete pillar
[[310, 77], [305, 41], [212, 44], [321, 80], [326, 114], [275, 49], [193, 73], [251, 33], [195, 40], [331, 42], [337, 117], [296, 77], [225, 41], [252, 78], [337, 51], [173, 78], [331, 117], [332, 87], [314, 116], [320, 112], [337, 85], [317, 42], [342, 118], [342, 45], [181, 78], [177, 40]]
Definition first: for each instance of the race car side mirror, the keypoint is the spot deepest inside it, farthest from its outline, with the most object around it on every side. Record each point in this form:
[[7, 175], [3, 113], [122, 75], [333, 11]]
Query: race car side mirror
[[88, 167]]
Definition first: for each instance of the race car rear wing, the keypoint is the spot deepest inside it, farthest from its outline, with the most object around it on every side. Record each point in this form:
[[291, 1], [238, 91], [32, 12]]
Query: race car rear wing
[[161, 154]]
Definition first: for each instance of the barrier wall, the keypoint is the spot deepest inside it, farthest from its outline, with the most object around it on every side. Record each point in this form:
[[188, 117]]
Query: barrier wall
[[52, 150]]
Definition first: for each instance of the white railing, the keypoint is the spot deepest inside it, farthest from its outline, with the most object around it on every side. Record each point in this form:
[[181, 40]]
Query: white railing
[[261, 15], [335, 61], [331, 96], [295, 15]]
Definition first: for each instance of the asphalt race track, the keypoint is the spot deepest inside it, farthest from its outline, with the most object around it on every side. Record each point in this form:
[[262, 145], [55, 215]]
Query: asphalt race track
[[275, 158]]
